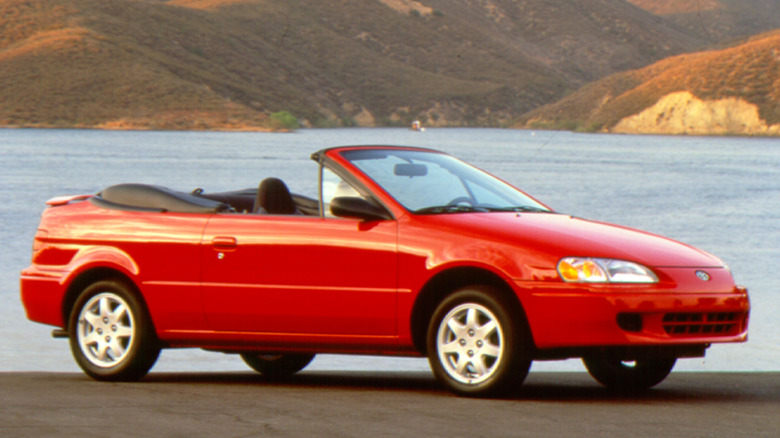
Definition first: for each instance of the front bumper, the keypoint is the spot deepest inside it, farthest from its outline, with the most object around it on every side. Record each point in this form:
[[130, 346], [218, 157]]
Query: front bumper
[[575, 316]]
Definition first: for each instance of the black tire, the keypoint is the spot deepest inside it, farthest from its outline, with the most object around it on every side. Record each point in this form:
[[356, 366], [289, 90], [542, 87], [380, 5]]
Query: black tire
[[477, 346], [277, 366], [112, 337], [628, 377]]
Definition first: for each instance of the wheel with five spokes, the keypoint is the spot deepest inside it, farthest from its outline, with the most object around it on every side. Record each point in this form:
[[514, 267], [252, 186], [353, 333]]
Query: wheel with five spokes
[[111, 334], [476, 346]]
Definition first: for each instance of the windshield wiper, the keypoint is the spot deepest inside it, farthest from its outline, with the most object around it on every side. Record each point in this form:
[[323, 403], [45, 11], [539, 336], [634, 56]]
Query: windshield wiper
[[521, 209], [461, 208], [454, 208]]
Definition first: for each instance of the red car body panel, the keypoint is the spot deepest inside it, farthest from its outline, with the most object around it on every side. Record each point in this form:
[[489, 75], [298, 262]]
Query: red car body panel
[[306, 283], [300, 275], [562, 314]]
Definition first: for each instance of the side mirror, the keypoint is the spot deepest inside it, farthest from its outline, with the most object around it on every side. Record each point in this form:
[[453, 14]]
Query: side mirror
[[357, 208]]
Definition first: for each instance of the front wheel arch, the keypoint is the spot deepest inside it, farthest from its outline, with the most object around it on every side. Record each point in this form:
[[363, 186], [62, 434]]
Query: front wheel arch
[[445, 283], [476, 345]]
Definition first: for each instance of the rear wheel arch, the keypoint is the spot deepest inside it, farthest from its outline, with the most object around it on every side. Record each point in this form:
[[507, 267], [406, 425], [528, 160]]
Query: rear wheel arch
[[447, 282], [111, 334], [90, 276]]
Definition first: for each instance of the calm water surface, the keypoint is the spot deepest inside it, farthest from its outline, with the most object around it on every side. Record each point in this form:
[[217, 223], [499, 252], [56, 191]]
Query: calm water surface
[[719, 194]]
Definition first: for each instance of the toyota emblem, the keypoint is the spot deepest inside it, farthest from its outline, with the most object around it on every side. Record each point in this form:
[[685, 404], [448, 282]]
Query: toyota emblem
[[703, 276]]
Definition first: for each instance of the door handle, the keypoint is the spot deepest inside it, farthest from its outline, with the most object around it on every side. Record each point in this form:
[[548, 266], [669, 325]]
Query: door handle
[[224, 242]]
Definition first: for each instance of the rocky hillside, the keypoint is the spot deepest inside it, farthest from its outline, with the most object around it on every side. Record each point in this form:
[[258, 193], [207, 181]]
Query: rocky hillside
[[228, 64], [728, 91], [717, 20], [235, 64]]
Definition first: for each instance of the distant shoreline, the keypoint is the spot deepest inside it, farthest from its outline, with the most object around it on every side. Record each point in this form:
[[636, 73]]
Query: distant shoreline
[[287, 131]]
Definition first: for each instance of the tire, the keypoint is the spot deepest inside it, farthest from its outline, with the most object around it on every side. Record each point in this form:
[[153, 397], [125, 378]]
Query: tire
[[624, 376], [476, 346], [277, 366], [112, 337]]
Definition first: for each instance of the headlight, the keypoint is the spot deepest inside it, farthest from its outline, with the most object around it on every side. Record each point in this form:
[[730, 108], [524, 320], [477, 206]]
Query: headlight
[[593, 270]]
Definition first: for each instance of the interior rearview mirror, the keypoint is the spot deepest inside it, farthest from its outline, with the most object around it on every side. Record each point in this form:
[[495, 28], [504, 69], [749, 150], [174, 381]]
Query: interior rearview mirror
[[410, 170]]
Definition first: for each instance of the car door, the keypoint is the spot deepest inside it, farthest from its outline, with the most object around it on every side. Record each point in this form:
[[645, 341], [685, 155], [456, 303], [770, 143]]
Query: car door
[[300, 275]]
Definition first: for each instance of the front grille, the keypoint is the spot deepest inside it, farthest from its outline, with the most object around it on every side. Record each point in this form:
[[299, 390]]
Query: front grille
[[697, 324]]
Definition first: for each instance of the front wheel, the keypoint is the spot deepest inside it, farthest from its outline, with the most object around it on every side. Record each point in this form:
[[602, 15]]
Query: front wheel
[[628, 376], [476, 346], [111, 335], [277, 366]]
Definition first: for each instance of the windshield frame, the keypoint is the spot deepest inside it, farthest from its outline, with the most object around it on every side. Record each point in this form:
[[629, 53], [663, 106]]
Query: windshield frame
[[468, 176]]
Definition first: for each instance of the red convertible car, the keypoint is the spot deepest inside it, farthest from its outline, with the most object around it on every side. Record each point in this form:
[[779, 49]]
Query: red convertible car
[[405, 252]]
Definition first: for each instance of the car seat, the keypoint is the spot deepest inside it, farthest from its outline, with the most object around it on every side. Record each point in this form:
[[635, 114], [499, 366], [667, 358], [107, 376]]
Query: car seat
[[273, 197]]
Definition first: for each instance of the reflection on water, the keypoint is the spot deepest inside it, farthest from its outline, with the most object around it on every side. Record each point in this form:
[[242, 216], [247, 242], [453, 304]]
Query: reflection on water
[[719, 194]]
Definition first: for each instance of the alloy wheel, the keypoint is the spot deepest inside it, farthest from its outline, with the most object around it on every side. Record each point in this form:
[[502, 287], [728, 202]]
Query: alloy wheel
[[106, 330], [470, 343]]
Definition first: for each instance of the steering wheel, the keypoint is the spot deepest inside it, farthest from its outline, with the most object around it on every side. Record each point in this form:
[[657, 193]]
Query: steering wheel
[[461, 199]]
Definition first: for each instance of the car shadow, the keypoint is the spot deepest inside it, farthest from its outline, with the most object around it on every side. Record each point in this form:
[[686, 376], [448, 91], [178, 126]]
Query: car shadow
[[541, 386], [359, 380]]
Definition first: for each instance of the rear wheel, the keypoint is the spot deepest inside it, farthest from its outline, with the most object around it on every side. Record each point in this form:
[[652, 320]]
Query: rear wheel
[[475, 347], [111, 335], [277, 366], [628, 376]]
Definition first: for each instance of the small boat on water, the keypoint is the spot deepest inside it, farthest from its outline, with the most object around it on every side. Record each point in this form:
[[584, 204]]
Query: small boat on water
[[417, 126]]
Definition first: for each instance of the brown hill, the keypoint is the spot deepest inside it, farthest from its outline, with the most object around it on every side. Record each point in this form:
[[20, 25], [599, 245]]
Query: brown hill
[[717, 20], [734, 90], [677, 7], [228, 64]]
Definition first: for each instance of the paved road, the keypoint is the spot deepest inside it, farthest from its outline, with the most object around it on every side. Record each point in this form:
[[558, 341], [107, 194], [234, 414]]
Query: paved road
[[369, 404]]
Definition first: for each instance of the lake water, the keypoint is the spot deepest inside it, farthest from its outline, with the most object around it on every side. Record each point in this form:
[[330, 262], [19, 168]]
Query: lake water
[[719, 194]]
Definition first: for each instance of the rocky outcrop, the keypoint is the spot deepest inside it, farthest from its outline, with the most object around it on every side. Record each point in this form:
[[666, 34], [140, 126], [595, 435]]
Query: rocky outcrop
[[730, 91], [407, 6], [684, 113]]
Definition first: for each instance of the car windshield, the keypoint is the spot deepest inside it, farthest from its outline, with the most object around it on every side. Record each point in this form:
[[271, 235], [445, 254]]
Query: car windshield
[[432, 183]]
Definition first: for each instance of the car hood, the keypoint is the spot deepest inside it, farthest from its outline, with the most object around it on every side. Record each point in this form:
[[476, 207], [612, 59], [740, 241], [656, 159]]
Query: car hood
[[560, 235]]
